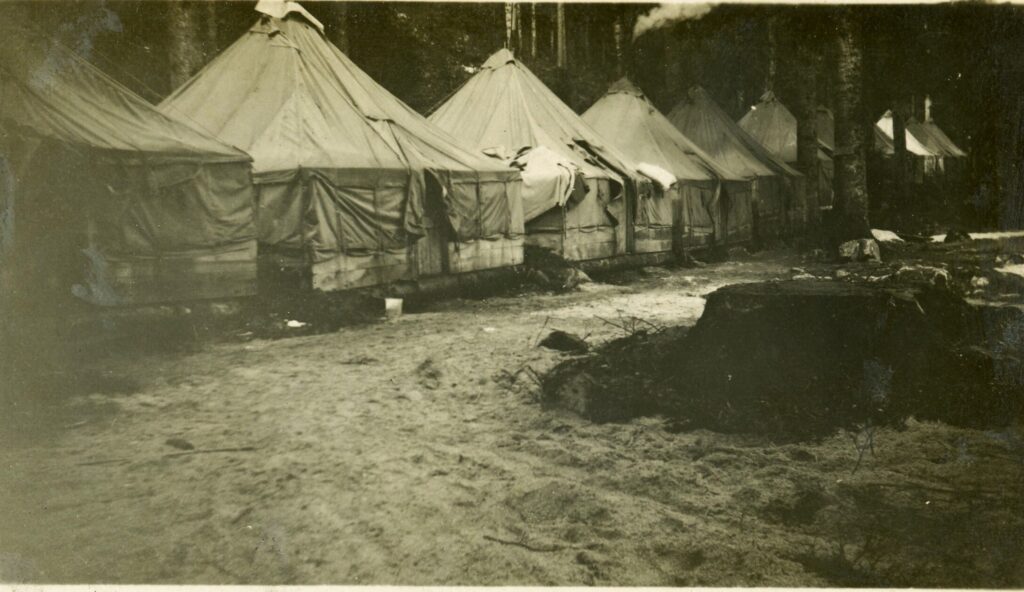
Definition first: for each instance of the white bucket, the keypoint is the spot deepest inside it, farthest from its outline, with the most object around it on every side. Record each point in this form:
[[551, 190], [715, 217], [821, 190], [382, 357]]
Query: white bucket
[[393, 307]]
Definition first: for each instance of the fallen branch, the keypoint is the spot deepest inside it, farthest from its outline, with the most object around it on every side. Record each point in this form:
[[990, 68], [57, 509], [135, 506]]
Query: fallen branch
[[863, 442], [211, 450], [536, 340], [527, 546], [630, 324], [103, 462], [529, 371], [173, 454], [616, 325]]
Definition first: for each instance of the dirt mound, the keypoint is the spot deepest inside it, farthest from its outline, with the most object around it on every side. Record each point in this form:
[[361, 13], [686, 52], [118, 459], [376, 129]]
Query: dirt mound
[[802, 358]]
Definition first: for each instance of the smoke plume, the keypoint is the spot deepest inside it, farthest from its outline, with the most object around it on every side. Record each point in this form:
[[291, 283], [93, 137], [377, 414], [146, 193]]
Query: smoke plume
[[667, 14]]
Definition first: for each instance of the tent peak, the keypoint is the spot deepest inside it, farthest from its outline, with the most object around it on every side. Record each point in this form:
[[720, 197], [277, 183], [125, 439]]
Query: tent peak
[[499, 58], [768, 97], [280, 9], [697, 92], [625, 85]]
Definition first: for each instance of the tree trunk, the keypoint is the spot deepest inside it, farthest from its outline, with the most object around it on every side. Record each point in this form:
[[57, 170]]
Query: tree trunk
[[620, 42], [533, 30], [900, 159], [560, 17], [186, 44], [508, 25], [673, 66], [210, 27], [519, 28], [773, 55], [806, 112], [1010, 156], [851, 200], [585, 18], [337, 29], [553, 45]]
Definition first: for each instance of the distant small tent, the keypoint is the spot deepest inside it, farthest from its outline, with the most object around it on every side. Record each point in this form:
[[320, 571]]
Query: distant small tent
[[771, 123], [923, 162], [774, 183], [697, 209], [936, 140], [115, 202], [352, 183], [505, 110], [950, 161], [774, 126]]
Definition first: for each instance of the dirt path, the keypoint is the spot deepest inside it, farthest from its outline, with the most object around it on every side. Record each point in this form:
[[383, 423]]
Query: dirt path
[[412, 452]]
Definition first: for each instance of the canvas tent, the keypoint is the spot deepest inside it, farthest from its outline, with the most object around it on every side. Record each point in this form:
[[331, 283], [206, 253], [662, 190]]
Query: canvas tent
[[774, 126], [950, 157], [107, 198], [505, 110], [773, 184], [352, 184], [936, 140], [923, 162], [695, 212]]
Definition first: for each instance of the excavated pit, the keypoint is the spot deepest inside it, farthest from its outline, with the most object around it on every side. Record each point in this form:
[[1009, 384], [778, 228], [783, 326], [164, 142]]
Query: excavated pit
[[802, 358]]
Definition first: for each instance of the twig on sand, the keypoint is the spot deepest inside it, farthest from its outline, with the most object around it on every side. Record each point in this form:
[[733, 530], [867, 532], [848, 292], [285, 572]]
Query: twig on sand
[[863, 442], [540, 548], [210, 450], [540, 332], [527, 546], [524, 369], [110, 461], [616, 325], [529, 371], [630, 325]]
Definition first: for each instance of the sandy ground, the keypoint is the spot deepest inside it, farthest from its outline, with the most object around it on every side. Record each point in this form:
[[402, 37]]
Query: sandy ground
[[415, 452]]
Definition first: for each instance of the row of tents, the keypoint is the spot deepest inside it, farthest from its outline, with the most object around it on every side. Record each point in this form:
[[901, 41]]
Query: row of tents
[[281, 150], [931, 153]]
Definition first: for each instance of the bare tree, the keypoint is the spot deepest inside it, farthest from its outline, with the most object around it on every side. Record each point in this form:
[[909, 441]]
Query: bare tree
[[337, 26], [773, 53], [210, 29], [1009, 172], [901, 110], [186, 53], [560, 26], [533, 29], [619, 33], [794, 50], [805, 109], [509, 15], [851, 200]]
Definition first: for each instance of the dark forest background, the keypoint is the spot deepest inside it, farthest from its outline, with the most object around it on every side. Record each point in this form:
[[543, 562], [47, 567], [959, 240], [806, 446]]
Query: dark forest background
[[966, 57]]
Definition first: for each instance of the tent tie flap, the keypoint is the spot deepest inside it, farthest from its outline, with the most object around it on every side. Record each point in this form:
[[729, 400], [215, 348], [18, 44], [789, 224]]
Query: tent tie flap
[[281, 9], [501, 153], [664, 179]]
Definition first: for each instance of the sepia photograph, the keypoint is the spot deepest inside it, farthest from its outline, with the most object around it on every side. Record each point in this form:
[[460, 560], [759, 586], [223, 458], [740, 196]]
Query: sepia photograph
[[431, 293]]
